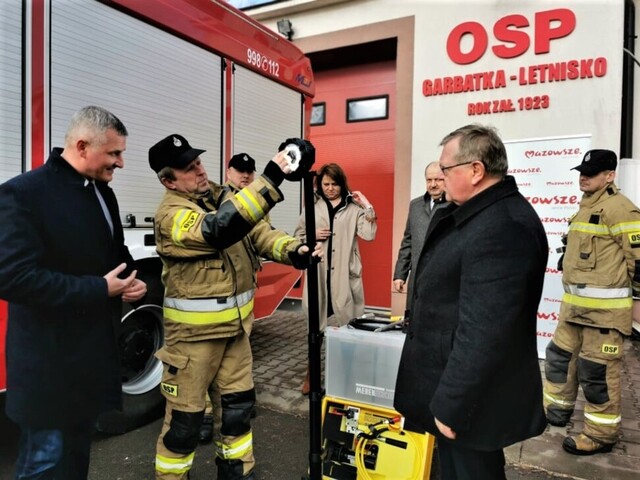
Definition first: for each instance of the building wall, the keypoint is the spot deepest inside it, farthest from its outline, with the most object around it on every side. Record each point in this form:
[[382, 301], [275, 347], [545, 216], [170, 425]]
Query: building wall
[[585, 106]]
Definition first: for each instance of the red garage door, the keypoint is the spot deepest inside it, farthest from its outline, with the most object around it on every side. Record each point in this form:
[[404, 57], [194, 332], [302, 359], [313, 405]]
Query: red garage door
[[365, 149]]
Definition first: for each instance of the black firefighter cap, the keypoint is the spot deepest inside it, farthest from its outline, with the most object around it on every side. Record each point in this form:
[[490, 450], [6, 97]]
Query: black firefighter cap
[[243, 162], [173, 151], [596, 161]]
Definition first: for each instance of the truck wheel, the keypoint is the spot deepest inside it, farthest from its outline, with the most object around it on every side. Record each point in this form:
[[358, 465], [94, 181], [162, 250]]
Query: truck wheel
[[141, 335]]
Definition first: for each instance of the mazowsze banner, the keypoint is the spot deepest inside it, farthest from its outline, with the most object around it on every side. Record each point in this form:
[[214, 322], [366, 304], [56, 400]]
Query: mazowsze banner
[[542, 169]]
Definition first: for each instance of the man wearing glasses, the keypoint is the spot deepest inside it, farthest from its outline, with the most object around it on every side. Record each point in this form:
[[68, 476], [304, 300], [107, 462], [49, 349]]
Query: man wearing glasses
[[469, 370], [421, 210]]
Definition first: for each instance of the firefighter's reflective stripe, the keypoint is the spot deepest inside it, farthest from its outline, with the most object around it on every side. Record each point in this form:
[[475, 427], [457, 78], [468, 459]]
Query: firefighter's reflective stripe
[[251, 204], [203, 318], [237, 449], [603, 303], [625, 227], [603, 418], [208, 311], [182, 222], [558, 401], [597, 229], [174, 465], [595, 292], [208, 304], [280, 246], [592, 228]]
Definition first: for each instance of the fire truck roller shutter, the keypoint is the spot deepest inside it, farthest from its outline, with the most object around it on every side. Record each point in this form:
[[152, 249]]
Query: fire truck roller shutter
[[155, 82], [255, 100], [11, 91], [10, 121]]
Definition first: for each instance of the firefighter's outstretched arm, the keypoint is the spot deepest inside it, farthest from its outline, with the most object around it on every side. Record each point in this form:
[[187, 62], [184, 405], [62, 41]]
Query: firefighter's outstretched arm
[[237, 216]]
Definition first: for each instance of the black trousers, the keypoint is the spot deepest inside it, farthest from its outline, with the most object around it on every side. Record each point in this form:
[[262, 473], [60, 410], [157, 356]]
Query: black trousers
[[459, 463]]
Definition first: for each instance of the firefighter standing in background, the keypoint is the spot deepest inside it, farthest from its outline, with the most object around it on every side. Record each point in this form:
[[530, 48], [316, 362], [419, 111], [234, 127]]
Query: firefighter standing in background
[[209, 240], [601, 271], [241, 171]]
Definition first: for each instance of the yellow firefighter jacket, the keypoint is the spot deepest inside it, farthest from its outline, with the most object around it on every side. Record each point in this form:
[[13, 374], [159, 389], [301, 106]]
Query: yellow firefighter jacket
[[210, 248], [601, 267]]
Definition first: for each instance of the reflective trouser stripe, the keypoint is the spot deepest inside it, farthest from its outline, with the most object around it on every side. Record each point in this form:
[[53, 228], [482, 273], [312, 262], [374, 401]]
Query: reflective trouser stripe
[[595, 292], [602, 303], [237, 449], [174, 465], [557, 401], [603, 419]]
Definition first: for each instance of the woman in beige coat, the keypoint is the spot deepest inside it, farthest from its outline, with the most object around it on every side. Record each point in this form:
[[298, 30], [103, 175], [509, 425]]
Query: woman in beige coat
[[341, 217]]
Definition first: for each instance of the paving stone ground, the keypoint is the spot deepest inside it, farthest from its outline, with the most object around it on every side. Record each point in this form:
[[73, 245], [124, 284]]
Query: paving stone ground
[[280, 353]]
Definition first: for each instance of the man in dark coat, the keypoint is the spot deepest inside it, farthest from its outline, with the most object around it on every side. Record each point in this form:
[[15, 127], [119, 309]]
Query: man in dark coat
[[61, 254], [469, 370], [421, 211]]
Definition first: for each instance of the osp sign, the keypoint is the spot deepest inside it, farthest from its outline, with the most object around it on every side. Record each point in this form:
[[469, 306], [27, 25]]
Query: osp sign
[[512, 35]]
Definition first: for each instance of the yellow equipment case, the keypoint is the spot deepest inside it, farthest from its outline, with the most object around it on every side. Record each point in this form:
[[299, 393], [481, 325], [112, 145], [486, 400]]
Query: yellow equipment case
[[369, 442]]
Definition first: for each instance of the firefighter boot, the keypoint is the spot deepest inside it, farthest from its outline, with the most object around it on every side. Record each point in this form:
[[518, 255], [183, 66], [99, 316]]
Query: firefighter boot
[[561, 380], [206, 430], [232, 470], [584, 445], [558, 418]]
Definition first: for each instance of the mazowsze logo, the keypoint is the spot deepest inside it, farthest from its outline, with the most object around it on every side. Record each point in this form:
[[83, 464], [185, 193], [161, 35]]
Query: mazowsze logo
[[555, 200], [562, 152]]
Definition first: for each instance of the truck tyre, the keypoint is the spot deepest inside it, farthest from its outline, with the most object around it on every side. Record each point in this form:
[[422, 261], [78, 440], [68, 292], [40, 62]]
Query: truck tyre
[[141, 335]]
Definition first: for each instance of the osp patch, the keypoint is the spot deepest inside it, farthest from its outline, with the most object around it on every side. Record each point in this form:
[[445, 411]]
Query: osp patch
[[189, 221], [169, 389]]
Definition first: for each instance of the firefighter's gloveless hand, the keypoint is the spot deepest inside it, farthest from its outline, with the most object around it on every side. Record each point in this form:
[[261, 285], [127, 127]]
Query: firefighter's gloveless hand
[[301, 158], [277, 168]]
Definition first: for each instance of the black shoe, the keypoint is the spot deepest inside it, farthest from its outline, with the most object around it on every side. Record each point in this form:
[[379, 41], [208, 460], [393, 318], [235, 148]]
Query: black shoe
[[206, 430], [583, 445], [557, 423]]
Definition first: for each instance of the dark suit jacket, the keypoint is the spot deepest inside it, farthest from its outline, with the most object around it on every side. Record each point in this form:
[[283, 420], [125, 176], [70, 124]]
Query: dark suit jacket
[[470, 356], [55, 247], [420, 214]]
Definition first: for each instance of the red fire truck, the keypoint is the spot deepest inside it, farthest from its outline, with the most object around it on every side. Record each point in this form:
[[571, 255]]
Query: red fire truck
[[197, 67]]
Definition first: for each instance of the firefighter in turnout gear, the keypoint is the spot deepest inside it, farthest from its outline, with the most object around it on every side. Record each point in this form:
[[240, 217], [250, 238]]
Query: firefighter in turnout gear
[[210, 241], [241, 171], [601, 274]]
